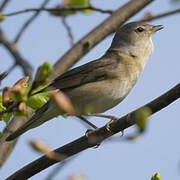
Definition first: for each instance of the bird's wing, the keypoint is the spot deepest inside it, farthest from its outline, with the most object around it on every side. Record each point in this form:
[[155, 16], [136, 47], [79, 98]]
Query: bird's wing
[[97, 70]]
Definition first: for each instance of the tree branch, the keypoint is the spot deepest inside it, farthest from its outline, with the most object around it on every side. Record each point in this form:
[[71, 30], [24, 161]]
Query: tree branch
[[96, 137], [19, 60], [169, 13], [3, 75], [69, 31], [4, 4], [60, 9], [29, 21], [16, 122]]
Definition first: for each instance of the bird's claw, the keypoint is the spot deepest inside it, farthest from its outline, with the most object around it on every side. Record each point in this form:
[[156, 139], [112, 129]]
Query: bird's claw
[[108, 125], [89, 134]]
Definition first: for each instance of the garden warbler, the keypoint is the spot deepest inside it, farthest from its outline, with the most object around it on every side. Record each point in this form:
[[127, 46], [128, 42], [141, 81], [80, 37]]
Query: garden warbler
[[101, 84]]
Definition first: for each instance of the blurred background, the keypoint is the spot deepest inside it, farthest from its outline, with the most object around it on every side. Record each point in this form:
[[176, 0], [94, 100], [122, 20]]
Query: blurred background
[[158, 150]]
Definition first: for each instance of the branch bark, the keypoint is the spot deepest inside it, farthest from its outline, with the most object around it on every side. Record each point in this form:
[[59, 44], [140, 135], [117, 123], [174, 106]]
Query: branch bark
[[96, 137], [6, 148], [19, 60], [29, 21], [3, 4], [161, 15]]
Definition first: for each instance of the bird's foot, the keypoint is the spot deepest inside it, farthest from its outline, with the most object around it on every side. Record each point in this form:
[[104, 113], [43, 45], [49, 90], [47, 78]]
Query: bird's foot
[[86, 121], [112, 119], [92, 138], [105, 116]]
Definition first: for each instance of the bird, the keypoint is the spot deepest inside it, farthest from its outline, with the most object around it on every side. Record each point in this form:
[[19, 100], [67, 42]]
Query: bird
[[100, 85]]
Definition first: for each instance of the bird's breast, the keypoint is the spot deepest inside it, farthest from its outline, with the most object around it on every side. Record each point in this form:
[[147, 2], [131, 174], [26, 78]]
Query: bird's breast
[[97, 97]]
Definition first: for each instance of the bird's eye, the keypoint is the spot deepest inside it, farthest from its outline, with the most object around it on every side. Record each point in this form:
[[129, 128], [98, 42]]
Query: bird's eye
[[139, 29]]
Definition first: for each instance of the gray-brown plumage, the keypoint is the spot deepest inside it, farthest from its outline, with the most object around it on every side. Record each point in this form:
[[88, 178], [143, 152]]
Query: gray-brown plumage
[[101, 84]]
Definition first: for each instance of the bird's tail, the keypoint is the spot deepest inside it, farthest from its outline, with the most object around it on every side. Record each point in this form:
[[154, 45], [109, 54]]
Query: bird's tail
[[40, 116]]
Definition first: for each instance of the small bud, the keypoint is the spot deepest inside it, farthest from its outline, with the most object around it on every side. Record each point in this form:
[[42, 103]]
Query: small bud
[[22, 82], [2, 17], [22, 106], [76, 178], [39, 146], [156, 177], [141, 117], [6, 96], [63, 102], [42, 147]]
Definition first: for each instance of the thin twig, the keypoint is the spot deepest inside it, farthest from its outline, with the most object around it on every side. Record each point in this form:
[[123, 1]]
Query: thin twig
[[4, 4], [69, 31], [87, 122], [97, 136], [19, 60], [161, 15], [29, 21], [3, 75], [60, 9]]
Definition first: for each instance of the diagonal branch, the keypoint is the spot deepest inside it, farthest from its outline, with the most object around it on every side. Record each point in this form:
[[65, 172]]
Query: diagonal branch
[[69, 31], [96, 137], [158, 16], [3, 75], [6, 148], [29, 21], [19, 60], [4, 4]]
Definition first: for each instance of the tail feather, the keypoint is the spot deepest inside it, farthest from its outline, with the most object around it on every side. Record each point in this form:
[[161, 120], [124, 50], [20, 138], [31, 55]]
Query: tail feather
[[37, 119]]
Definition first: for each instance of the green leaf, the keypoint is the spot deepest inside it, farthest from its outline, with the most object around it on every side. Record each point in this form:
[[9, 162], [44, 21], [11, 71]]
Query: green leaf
[[38, 100], [141, 117], [39, 88], [44, 72], [2, 17], [23, 113], [6, 116], [1, 135], [156, 177], [64, 116], [0, 99], [83, 3], [78, 3]]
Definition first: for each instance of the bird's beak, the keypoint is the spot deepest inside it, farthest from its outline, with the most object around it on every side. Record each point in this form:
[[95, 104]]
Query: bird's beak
[[157, 28]]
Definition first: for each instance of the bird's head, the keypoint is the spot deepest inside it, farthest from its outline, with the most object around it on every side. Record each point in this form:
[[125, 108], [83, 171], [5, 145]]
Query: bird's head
[[135, 39]]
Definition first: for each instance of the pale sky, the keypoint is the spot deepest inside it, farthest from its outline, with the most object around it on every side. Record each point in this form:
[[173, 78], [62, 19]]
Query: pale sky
[[155, 151]]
